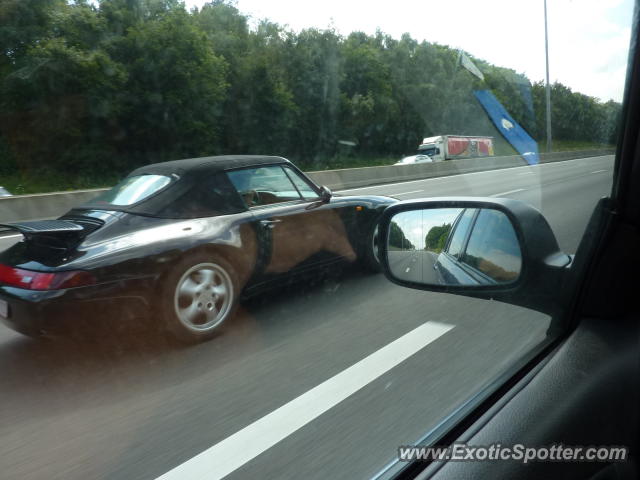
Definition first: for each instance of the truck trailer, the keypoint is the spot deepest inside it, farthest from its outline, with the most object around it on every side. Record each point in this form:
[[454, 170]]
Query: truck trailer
[[448, 147]]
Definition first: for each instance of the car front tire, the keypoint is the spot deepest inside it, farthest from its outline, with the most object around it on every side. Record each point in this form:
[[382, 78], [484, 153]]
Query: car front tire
[[370, 260]]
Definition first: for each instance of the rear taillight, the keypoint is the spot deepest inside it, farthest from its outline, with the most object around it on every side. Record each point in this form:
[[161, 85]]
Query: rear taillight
[[30, 280]]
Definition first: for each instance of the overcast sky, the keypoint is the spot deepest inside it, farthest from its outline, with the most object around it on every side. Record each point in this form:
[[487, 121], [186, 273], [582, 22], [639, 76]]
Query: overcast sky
[[588, 38]]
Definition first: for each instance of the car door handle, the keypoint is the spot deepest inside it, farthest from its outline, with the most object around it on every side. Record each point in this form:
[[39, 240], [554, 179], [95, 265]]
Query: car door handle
[[269, 223]]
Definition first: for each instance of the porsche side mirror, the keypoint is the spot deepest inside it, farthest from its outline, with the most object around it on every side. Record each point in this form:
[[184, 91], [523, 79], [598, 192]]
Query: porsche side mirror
[[490, 248], [325, 193]]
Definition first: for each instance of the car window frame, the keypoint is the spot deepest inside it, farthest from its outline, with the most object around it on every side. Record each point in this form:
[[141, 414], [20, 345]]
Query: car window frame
[[465, 267], [299, 201], [474, 272], [620, 206], [463, 247], [288, 170]]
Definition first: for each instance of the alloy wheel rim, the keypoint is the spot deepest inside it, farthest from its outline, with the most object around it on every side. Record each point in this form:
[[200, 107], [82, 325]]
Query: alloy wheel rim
[[203, 297]]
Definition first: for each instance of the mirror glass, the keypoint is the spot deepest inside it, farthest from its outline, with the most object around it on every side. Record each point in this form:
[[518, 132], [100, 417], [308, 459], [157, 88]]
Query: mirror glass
[[454, 246]]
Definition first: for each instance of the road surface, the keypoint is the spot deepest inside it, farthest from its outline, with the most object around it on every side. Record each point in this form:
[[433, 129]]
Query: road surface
[[271, 389], [414, 266]]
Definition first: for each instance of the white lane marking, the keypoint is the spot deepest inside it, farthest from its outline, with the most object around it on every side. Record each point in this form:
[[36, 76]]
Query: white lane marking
[[407, 270], [501, 194], [451, 177], [600, 171], [244, 445], [526, 173], [408, 193], [2, 237]]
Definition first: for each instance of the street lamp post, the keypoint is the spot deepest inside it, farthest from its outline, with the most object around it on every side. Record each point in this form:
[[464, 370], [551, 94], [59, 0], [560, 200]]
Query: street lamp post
[[548, 87]]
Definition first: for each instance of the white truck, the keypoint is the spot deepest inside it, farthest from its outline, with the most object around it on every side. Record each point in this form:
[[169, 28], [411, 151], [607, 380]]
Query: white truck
[[447, 147]]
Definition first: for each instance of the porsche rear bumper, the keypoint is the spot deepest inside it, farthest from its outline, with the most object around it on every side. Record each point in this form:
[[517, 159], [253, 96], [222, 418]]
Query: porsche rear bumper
[[34, 313]]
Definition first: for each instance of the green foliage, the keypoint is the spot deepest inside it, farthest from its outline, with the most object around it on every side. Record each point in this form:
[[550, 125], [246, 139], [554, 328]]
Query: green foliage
[[576, 117], [22, 24], [171, 104], [436, 237], [397, 238], [54, 181], [90, 90]]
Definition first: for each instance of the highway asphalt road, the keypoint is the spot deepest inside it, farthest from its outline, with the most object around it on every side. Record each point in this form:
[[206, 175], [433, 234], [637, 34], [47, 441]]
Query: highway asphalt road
[[414, 266], [132, 406]]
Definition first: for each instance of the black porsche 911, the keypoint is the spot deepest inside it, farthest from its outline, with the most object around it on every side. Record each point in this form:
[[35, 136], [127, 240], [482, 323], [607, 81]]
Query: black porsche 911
[[182, 239]]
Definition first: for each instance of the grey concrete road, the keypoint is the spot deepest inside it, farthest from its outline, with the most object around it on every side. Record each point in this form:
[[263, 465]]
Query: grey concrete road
[[414, 266], [133, 406]]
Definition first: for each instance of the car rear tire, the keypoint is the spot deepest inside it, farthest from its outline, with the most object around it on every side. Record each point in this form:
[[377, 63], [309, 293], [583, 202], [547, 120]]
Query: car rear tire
[[199, 294]]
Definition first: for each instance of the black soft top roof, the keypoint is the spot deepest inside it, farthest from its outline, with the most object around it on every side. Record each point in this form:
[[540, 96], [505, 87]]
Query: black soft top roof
[[198, 187], [196, 166]]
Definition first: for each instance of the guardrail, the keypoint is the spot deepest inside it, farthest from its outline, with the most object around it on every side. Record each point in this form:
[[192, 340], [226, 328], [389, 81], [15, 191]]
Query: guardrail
[[51, 205], [362, 177]]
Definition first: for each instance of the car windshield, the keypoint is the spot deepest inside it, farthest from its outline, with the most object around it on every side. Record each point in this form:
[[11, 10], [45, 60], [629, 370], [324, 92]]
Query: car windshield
[[192, 240], [133, 190], [426, 151]]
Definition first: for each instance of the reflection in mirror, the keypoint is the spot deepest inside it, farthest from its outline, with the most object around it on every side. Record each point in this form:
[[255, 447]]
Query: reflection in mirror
[[454, 246]]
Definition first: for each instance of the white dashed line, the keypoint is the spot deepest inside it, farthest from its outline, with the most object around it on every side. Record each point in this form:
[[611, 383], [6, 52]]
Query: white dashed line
[[502, 194], [408, 193]]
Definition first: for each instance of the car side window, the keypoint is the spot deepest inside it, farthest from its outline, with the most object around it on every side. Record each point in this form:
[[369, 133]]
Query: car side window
[[493, 247], [263, 185], [459, 235], [303, 187], [213, 196]]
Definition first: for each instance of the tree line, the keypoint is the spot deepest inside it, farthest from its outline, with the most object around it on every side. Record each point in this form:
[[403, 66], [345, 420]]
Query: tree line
[[105, 86], [437, 237], [397, 238]]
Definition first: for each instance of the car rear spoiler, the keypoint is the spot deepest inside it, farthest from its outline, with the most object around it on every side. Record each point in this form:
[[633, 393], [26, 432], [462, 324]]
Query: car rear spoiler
[[55, 234], [37, 227]]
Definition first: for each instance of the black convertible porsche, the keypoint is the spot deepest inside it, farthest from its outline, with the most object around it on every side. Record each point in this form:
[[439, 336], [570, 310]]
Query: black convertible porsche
[[183, 240]]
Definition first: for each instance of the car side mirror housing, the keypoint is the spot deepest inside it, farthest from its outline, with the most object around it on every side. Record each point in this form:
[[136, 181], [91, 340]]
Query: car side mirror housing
[[325, 193], [492, 248]]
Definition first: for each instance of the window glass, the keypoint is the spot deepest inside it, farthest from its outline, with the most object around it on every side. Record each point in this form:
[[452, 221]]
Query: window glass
[[493, 247], [133, 189], [263, 185], [93, 90], [303, 187], [212, 196], [429, 151], [459, 236]]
